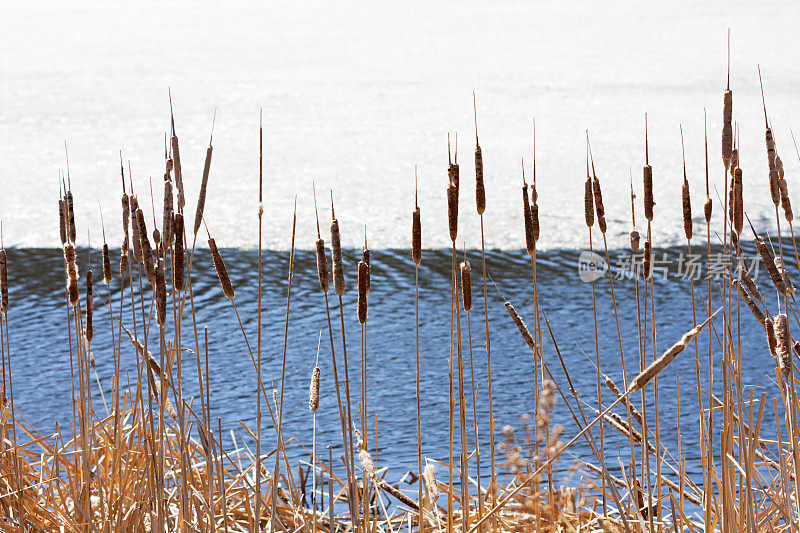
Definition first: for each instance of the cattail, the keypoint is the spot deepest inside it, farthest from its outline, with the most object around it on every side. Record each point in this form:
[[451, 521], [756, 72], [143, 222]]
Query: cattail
[[748, 281], [322, 265], [201, 200], [431, 487], [598, 204], [769, 263], [784, 345], [106, 265], [453, 170], [635, 414], [648, 192], [480, 192], [588, 202], [123, 259], [367, 467], [89, 330], [707, 209], [535, 221], [416, 236], [734, 159], [796, 348], [738, 198], [62, 222], [668, 356], [634, 237], [135, 234], [647, 273], [530, 242], [4, 279], [687, 210], [176, 159], [786, 203], [71, 216], [126, 214], [72, 273], [87, 347], [178, 257], [772, 341], [452, 210], [397, 494], [168, 215], [365, 258], [336, 254], [749, 301], [466, 284], [147, 253], [363, 277], [222, 271], [774, 187], [727, 128], [523, 329], [788, 288], [313, 391], [161, 294]]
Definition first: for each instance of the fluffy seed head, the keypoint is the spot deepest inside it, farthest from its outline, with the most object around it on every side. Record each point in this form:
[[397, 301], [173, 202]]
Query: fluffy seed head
[[634, 236], [313, 391], [784, 345], [788, 288]]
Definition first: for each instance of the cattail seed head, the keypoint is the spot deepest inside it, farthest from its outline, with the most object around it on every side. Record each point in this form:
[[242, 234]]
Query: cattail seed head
[[313, 391], [523, 329], [707, 209], [62, 222], [135, 234], [169, 215], [480, 191], [123, 260], [749, 301], [535, 222], [788, 288], [89, 330], [530, 242], [452, 210], [201, 200], [727, 127], [748, 281], [106, 265], [647, 272], [336, 253], [431, 487], [598, 205], [774, 187], [367, 466], [71, 216], [72, 273], [588, 202], [126, 213], [784, 345], [222, 271], [734, 159], [769, 263], [649, 203], [466, 285], [322, 266], [178, 257], [4, 279], [772, 341], [176, 159], [416, 236], [687, 210], [634, 236], [365, 258], [146, 250], [161, 294], [363, 277], [738, 199]]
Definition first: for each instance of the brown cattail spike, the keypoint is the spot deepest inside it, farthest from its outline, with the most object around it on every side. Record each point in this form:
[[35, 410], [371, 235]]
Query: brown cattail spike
[[772, 341], [336, 253], [480, 191], [647, 271], [786, 203], [89, 330], [147, 253], [313, 391], [769, 263], [72, 273], [322, 259], [363, 276], [686, 200], [466, 284], [201, 200], [161, 294], [222, 271], [749, 301], [71, 217], [588, 197], [62, 222], [169, 215], [416, 227], [667, 357], [727, 114], [178, 257], [137, 243], [365, 257], [176, 158], [106, 265], [4, 279], [530, 242], [784, 345], [738, 199], [788, 288]]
